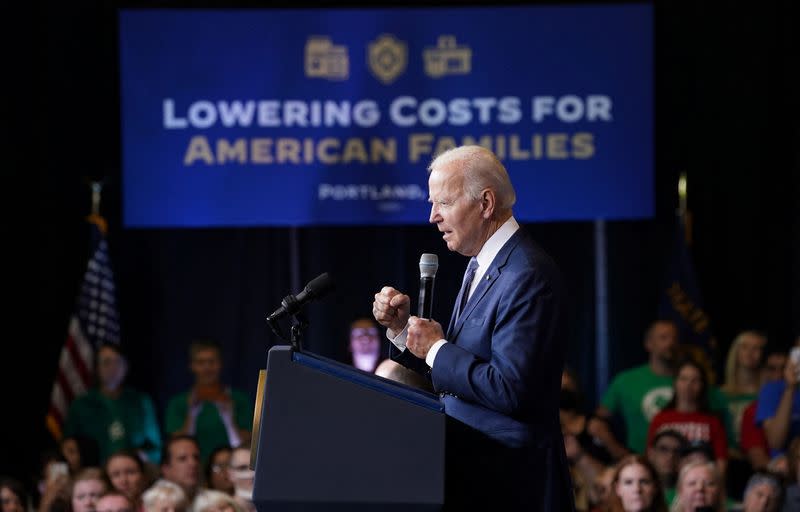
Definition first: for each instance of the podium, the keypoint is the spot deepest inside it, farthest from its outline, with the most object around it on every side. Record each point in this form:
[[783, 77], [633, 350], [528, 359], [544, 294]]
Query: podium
[[334, 438]]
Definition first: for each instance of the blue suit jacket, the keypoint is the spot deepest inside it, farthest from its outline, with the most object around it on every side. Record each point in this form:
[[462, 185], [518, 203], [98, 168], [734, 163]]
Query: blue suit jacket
[[500, 372]]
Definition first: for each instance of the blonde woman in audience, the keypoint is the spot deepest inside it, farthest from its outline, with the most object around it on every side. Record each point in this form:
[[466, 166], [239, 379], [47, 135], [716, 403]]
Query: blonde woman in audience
[[211, 500], [699, 486], [165, 496], [87, 486], [636, 487], [743, 375]]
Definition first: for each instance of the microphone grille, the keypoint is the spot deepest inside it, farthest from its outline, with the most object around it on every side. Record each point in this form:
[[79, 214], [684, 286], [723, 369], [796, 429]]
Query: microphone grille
[[428, 265]]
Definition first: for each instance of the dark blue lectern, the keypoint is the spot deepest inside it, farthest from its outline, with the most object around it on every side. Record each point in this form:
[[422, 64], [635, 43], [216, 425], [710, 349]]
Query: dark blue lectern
[[332, 437]]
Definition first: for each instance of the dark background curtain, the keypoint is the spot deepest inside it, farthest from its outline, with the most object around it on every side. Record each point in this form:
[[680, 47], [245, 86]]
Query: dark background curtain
[[726, 113]]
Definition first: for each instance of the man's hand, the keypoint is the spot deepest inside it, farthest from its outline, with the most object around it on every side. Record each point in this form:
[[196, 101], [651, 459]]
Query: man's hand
[[391, 309], [422, 334]]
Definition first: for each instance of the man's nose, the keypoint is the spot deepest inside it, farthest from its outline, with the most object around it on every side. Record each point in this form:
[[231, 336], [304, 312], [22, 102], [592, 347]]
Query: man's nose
[[434, 217]]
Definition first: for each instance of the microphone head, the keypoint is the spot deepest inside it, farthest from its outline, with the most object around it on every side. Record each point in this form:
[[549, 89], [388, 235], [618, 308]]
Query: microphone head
[[428, 265], [319, 286]]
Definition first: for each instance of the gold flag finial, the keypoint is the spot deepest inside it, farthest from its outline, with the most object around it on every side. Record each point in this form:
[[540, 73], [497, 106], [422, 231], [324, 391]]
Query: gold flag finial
[[682, 188], [95, 217], [684, 215]]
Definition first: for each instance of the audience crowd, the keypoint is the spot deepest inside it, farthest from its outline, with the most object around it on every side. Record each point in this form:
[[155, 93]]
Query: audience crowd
[[665, 436]]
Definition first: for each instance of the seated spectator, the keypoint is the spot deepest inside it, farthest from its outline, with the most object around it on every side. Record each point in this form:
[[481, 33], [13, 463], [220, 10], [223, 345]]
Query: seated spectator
[[87, 486], [211, 500], [779, 408], [664, 453], [774, 365], [688, 413], [54, 483], [636, 487], [13, 496], [743, 375], [216, 470], [753, 441], [212, 413], [584, 435], [80, 451], [792, 501], [115, 416], [601, 490], [243, 477], [165, 496], [365, 344], [180, 464], [126, 472], [762, 493], [114, 501], [743, 378], [699, 485], [392, 370]]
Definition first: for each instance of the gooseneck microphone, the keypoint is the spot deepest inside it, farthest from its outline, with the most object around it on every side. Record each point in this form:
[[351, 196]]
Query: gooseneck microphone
[[428, 265], [315, 289]]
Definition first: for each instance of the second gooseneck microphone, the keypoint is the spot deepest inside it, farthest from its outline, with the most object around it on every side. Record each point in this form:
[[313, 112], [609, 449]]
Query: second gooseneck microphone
[[428, 265]]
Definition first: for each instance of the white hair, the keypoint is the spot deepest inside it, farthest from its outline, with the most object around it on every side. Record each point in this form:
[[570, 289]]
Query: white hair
[[164, 490], [481, 169]]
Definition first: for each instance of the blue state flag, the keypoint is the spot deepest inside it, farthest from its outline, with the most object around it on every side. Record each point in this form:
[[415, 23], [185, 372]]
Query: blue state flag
[[682, 302]]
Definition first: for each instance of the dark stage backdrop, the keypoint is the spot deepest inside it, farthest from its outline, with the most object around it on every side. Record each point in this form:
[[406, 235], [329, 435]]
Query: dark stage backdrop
[[726, 113]]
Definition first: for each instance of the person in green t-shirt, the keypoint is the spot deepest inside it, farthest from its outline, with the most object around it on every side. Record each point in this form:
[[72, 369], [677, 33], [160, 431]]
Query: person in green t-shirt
[[214, 414], [639, 393], [115, 416]]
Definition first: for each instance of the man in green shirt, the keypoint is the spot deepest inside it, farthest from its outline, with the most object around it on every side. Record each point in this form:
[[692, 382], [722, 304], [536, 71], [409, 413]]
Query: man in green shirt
[[116, 417], [214, 414], [640, 393]]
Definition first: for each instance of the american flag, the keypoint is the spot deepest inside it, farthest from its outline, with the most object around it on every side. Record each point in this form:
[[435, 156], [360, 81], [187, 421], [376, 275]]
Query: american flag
[[93, 322]]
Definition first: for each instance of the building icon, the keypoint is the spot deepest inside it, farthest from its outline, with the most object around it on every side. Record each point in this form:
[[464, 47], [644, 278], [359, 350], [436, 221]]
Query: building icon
[[326, 60], [447, 58]]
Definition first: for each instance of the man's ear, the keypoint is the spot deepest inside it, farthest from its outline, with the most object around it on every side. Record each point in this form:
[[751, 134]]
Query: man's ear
[[488, 203]]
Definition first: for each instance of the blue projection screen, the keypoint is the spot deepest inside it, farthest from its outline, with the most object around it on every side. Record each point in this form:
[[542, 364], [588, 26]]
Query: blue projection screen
[[331, 116]]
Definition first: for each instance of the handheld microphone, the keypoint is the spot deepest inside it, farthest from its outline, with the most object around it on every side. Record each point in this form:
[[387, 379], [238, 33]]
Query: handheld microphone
[[428, 265], [315, 289]]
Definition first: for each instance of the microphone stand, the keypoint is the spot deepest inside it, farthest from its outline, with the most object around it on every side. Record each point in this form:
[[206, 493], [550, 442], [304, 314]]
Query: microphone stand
[[300, 325]]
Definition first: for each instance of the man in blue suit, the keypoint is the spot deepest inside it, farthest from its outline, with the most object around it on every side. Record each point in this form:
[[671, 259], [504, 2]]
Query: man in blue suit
[[498, 368]]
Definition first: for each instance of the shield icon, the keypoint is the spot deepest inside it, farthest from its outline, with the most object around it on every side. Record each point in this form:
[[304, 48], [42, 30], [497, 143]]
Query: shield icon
[[387, 57]]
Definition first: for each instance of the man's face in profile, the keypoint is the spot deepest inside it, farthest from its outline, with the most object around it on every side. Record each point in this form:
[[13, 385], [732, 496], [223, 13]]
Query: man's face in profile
[[458, 217]]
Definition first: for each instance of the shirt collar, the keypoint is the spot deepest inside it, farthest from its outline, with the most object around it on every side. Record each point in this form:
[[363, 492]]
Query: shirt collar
[[496, 242]]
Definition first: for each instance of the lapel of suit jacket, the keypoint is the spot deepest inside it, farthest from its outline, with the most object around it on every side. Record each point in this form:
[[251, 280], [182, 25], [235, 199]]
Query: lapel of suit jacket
[[487, 281]]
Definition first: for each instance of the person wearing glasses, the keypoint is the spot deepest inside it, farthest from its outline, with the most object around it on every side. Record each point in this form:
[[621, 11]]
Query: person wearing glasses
[[664, 453], [216, 470], [242, 477]]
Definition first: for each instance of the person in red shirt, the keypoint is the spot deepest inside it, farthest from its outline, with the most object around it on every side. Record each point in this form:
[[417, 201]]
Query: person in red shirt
[[754, 441], [688, 413]]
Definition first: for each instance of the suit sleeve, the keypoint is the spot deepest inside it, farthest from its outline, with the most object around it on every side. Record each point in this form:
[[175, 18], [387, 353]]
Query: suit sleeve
[[525, 350], [409, 360]]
